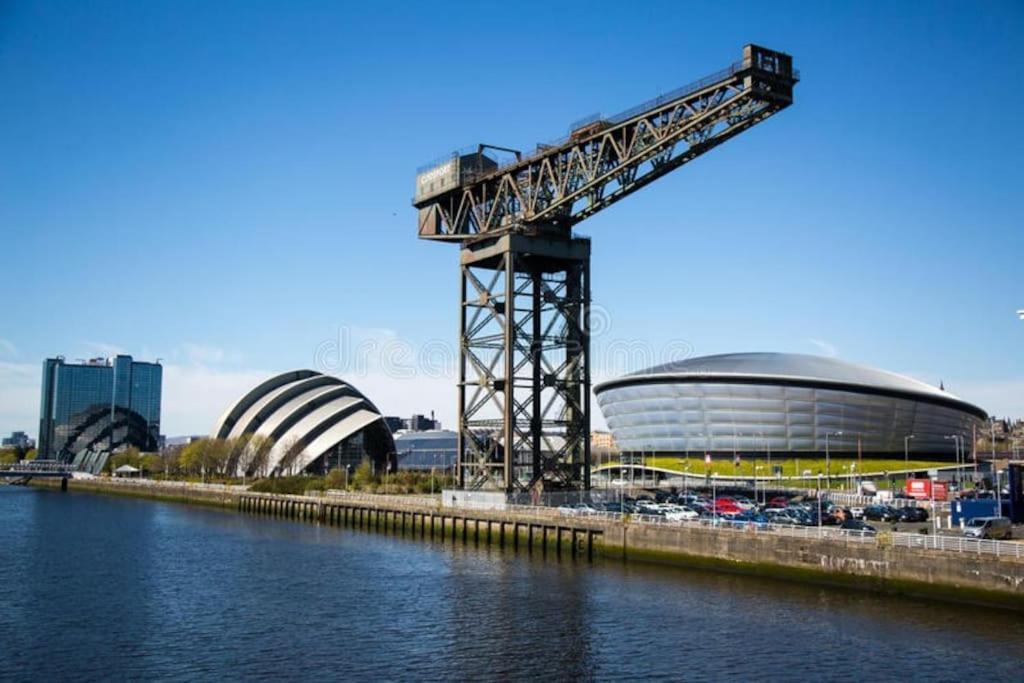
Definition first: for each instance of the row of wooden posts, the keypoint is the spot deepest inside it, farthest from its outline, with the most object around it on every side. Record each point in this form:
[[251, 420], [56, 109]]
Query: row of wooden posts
[[434, 524]]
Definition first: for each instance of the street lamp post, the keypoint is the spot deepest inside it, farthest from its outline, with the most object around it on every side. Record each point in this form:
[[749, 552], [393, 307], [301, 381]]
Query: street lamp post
[[828, 461], [906, 449], [819, 504], [714, 498], [956, 455]]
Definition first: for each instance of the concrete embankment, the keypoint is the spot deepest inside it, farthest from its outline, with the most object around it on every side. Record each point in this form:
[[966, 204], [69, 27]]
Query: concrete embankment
[[171, 491], [872, 564]]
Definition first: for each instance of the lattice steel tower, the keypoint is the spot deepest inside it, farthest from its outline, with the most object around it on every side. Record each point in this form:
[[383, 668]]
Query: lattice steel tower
[[524, 346]]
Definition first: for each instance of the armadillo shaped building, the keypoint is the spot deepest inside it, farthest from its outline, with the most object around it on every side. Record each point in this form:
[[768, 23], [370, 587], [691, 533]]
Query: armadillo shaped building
[[316, 422]]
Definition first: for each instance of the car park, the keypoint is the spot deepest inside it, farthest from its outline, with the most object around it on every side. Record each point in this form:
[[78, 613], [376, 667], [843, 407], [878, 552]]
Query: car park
[[857, 512]]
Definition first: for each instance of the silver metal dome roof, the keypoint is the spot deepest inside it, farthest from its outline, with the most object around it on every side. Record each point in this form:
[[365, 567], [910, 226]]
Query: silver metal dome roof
[[789, 368]]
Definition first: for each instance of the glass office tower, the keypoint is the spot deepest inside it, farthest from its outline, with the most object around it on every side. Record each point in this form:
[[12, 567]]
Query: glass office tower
[[98, 406]]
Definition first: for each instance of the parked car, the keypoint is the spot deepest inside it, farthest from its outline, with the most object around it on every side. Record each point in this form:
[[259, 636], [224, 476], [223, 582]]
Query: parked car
[[778, 502], [989, 527], [880, 513], [725, 506], [684, 513], [744, 503], [751, 518], [913, 514], [781, 518], [857, 512], [858, 526]]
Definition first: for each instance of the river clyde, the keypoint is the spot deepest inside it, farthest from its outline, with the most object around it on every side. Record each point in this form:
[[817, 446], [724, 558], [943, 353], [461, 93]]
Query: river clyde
[[98, 587]]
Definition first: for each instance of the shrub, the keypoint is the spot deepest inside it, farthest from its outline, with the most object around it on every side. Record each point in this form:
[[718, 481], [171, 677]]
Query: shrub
[[296, 485]]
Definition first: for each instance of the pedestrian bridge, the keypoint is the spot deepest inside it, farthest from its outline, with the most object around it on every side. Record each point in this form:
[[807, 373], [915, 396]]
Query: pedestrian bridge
[[22, 472]]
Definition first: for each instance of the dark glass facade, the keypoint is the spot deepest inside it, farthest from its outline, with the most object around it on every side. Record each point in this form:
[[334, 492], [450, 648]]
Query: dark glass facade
[[434, 450], [98, 406]]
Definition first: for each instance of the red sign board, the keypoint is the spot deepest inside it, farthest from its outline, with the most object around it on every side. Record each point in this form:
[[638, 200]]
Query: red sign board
[[921, 489]]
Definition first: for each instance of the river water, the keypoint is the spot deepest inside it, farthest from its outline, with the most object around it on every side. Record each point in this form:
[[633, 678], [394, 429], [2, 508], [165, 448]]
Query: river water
[[104, 588]]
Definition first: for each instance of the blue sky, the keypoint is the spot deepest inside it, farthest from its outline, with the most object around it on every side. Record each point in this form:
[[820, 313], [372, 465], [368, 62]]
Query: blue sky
[[226, 186]]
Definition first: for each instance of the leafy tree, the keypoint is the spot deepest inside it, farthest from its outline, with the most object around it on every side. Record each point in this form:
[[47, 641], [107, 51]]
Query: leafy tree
[[258, 455], [336, 478], [169, 458], [191, 458], [293, 449], [363, 477], [151, 463], [215, 455], [31, 454], [237, 450], [8, 457]]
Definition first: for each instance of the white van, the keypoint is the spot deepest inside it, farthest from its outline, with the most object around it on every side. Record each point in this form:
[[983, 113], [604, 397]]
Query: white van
[[989, 527]]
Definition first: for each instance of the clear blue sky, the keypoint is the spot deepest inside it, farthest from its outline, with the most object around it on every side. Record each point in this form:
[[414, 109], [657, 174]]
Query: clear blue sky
[[226, 185]]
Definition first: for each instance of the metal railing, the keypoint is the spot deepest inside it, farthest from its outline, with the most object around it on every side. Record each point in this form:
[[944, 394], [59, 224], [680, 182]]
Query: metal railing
[[959, 544], [31, 466], [380, 498], [937, 542]]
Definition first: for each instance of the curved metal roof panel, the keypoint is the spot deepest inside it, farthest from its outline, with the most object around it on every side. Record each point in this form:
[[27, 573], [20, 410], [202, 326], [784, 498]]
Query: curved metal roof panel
[[335, 434], [231, 415], [312, 425], [251, 419], [284, 418]]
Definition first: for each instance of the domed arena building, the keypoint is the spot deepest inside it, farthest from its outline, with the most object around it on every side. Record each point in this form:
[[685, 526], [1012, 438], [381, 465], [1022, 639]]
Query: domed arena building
[[316, 421], [753, 403]]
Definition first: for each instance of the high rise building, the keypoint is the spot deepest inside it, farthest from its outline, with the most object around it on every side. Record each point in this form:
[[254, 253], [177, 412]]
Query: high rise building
[[18, 440], [98, 406]]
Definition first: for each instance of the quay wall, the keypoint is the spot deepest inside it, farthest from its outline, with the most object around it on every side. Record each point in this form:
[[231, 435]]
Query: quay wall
[[169, 491], [963, 577]]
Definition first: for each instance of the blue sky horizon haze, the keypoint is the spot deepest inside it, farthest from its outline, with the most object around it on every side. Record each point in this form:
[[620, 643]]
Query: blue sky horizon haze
[[226, 186]]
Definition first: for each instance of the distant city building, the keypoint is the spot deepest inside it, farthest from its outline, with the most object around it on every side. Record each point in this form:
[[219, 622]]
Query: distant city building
[[419, 423], [18, 440], [416, 423], [603, 440], [98, 406], [173, 441]]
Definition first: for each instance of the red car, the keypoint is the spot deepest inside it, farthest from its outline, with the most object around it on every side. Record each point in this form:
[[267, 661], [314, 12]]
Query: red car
[[725, 506], [778, 502]]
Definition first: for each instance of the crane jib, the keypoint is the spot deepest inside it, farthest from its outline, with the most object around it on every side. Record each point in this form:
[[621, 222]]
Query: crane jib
[[601, 160]]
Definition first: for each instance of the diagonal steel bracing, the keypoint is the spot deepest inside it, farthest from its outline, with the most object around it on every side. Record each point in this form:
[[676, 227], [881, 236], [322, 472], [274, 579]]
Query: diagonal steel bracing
[[523, 403]]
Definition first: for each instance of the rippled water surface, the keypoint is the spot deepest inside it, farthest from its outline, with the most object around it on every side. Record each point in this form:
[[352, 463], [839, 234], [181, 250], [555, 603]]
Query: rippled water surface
[[97, 587]]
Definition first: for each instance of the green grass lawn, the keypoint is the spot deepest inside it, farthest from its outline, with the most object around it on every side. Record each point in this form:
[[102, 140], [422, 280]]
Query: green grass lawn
[[791, 467]]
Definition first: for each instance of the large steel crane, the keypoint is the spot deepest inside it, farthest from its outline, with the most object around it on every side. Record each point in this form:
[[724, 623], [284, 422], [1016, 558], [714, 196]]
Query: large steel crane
[[524, 374]]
